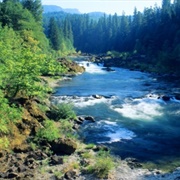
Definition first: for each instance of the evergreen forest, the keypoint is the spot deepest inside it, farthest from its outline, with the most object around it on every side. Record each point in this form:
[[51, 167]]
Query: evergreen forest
[[152, 35]]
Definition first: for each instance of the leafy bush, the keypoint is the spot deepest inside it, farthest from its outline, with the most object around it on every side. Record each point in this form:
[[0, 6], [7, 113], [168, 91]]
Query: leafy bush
[[49, 132], [8, 114], [63, 111], [90, 146], [4, 143], [71, 166], [103, 165], [87, 155], [66, 128]]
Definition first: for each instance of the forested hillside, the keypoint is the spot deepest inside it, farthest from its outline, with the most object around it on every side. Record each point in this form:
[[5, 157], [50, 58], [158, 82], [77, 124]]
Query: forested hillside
[[154, 34], [25, 55]]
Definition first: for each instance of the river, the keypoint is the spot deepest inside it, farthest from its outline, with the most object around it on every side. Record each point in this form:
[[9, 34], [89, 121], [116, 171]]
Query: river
[[130, 117]]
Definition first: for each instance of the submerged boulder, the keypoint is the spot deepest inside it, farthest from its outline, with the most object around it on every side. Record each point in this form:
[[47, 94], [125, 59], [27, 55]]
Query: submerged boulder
[[166, 98], [89, 118]]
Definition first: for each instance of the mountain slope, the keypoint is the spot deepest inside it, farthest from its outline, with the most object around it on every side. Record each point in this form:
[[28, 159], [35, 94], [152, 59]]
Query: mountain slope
[[54, 8]]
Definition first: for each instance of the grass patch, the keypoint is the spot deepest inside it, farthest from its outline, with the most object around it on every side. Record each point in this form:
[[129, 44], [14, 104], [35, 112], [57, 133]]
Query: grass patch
[[90, 146], [49, 132], [103, 164], [87, 155], [63, 111]]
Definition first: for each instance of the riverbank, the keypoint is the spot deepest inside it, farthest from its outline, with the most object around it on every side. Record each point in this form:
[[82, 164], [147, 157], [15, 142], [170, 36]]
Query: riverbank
[[87, 100], [45, 162], [134, 63]]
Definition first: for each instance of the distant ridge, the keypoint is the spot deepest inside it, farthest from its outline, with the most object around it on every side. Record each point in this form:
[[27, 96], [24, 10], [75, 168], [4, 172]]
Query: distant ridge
[[54, 8]]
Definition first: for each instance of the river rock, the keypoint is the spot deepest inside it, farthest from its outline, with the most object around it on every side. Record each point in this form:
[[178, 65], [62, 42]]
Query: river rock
[[80, 120], [70, 175], [100, 148], [37, 155], [64, 146], [12, 175], [108, 69], [166, 98], [133, 163], [31, 163], [76, 126], [177, 97], [97, 96], [55, 160], [90, 118]]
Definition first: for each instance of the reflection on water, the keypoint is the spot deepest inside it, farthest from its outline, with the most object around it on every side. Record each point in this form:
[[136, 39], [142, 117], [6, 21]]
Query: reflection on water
[[130, 118]]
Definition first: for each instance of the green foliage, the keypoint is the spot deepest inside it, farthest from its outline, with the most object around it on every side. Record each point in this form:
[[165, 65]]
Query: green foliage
[[8, 114], [25, 57], [87, 155], [4, 143], [64, 111], [52, 67], [34, 6], [33, 146], [58, 174], [154, 33], [49, 132], [22, 65], [90, 146], [55, 35], [103, 165], [66, 129]]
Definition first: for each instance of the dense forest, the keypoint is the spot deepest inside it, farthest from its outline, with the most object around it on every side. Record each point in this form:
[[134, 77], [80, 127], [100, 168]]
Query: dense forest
[[154, 34], [26, 56]]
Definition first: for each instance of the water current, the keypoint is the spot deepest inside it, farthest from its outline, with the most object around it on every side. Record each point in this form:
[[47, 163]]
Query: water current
[[130, 117]]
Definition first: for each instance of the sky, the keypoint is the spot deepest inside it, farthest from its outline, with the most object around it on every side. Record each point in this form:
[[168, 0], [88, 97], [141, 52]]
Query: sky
[[107, 6]]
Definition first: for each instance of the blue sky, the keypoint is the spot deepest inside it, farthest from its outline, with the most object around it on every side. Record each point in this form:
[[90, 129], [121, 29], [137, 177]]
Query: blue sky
[[107, 6]]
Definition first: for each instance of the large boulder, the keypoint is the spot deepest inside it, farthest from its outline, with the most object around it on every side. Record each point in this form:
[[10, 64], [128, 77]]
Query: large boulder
[[65, 146], [72, 66]]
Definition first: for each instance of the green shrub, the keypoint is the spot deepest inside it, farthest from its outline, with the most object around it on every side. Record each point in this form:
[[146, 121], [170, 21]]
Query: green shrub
[[87, 155], [4, 143], [66, 128], [8, 114], [49, 132], [63, 111], [58, 174], [103, 165], [90, 146]]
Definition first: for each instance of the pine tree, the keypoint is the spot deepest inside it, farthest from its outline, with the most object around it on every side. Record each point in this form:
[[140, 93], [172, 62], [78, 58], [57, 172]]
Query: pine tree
[[35, 7], [54, 34]]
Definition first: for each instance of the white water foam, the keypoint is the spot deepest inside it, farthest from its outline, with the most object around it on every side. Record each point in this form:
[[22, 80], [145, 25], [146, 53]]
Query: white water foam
[[115, 133], [119, 135], [173, 99], [92, 68], [81, 102], [141, 109]]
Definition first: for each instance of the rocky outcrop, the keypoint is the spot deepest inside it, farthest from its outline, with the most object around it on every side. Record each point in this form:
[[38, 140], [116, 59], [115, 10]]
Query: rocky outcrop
[[18, 165], [64, 146], [72, 66], [89, 118], [71, 174], [97, 96]]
